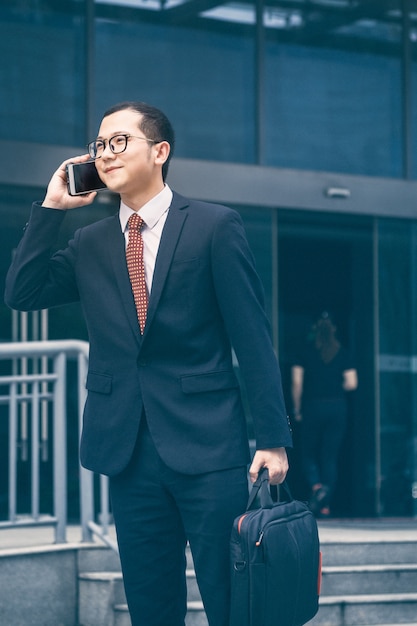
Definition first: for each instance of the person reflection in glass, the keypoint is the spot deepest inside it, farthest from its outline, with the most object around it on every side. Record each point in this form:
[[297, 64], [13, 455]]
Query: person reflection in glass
[[320, 377]]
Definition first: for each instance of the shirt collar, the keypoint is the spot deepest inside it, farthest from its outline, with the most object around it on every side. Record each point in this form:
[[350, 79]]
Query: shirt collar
[[151, 212]]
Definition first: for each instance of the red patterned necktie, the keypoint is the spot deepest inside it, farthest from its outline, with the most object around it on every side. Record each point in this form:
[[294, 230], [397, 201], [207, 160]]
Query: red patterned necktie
[[136, 268]]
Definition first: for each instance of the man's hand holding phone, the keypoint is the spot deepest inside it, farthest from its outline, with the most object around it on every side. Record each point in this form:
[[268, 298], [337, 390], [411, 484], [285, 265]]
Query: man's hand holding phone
[[57, 194]]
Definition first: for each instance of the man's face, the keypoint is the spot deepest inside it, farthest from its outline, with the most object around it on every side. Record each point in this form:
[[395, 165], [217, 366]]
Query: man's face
[[135, 170]]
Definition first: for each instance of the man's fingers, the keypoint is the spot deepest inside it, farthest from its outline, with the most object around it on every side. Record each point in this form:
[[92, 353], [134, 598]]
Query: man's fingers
[[275, 460]]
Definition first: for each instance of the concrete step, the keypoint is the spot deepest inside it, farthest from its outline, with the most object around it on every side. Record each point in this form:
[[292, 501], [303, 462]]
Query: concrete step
[[193, 592], [365, 583], [39, 581], [367, 610], [195, 615], [98, 594], [98, 559], [115, 579], [369, 579], [352, 595], [121, 616], [102, 599], [368, 553], [360, 610]]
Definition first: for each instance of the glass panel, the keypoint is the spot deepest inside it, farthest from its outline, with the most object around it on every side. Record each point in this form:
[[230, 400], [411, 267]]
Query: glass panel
[[329, 77], [413, 90], [325, 263], [333, 89], [42, 72], [397, 269], [199, 73]]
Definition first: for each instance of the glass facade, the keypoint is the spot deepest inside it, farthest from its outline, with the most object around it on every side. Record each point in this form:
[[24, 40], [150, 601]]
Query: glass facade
[[318, 96], [333, 110], [202, 79], [42, 77], [396, 263], [321, 87], [325, 263]]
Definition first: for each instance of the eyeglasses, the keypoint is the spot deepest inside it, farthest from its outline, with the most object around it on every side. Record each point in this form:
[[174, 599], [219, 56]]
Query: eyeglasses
[[117, 143]]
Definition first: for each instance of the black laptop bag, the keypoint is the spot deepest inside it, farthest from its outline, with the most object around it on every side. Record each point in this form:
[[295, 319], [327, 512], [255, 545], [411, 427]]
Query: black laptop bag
[[275, 561]]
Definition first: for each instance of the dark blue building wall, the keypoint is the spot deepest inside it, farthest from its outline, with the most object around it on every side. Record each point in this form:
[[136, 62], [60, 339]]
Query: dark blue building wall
[[323, 107]]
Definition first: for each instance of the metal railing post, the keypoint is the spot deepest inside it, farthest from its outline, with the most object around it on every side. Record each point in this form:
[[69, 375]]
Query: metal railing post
[[60, 450], [36, 391], [86, 477], [35, 478], [12, 451]]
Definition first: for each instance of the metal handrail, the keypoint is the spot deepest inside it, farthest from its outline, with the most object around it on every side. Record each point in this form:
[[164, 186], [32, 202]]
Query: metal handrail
[[28, 389]]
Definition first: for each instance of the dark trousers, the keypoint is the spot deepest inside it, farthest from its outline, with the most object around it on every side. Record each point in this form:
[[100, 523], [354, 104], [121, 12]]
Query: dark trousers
[[156, 511], [323, 430]]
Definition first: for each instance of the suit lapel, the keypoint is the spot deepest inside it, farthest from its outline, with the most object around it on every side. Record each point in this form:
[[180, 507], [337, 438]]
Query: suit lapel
[[117, 250], [169, 239]]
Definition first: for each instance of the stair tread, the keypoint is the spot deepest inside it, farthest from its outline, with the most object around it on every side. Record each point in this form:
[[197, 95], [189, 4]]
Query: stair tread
[[327, 569], [193, 605], [368, 598], [372, 567], [104, 575]]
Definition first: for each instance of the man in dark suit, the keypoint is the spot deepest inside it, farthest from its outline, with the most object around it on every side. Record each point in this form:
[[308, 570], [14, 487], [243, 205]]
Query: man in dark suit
[[163, 417]]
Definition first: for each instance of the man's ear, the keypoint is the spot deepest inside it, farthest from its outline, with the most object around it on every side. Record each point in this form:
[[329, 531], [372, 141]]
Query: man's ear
[[162, 152]]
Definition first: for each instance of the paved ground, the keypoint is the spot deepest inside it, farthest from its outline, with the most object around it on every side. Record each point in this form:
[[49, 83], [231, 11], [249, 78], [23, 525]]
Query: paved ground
[[343, 530], [12, 538], [372, 530]]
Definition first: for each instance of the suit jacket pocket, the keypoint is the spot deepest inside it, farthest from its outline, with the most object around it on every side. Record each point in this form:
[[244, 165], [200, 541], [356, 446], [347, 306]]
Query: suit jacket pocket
[[211, 381], [100, 383]]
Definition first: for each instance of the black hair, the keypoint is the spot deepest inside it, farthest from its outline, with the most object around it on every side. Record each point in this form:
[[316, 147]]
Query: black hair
[[154, 124], [325, 336], [325, 315]]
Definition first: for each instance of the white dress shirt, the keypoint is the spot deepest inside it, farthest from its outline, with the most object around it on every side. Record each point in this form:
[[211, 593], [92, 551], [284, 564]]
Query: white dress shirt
[[154, 214]]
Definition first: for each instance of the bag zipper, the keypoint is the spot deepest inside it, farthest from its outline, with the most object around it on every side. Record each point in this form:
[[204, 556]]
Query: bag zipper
[[239, 524], [260, 537]]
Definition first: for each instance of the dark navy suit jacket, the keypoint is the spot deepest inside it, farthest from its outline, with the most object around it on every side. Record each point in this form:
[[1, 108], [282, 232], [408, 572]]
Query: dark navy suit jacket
[[206, 297]]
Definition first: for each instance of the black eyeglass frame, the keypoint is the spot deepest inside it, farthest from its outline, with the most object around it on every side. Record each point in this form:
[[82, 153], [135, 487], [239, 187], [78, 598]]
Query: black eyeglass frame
[[92, 150]]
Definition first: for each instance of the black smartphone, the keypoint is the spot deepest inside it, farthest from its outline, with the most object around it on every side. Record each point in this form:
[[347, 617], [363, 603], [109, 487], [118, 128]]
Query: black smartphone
[[83, 178]]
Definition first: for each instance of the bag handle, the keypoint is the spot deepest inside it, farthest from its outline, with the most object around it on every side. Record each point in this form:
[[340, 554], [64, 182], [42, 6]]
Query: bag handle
[[268, 494]]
